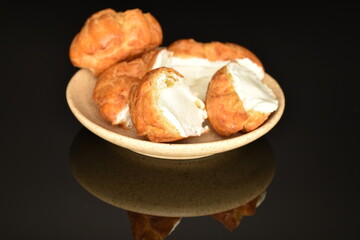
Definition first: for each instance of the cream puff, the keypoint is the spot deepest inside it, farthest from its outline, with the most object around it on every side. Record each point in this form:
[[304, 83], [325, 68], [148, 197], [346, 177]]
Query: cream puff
[[163, 108], [238, 100], [108, 37]]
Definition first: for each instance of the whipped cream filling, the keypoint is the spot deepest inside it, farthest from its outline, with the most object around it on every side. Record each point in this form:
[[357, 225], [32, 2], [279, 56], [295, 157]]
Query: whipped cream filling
[[199, 71], [123, 117], [246, 62], [254, 94], [182, 108]]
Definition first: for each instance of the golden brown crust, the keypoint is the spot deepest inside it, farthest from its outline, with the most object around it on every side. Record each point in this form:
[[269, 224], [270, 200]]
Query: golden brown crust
[[112, 97], [225, 109], [231, 218], [150, 227], [108, 37], [145, 115], [111, 92], [212, 51], [254, 120]]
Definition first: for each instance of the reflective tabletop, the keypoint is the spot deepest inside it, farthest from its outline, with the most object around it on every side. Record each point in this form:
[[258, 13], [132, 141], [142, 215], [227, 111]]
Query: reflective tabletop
[[299, 181], [161, 187]]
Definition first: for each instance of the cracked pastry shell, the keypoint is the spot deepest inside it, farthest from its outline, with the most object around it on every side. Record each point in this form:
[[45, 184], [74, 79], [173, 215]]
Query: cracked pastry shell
[[238, 100], [163, 108], [112, 88], [108, 37]]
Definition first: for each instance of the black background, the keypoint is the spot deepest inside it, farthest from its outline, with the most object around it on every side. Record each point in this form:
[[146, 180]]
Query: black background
[[311, 51]]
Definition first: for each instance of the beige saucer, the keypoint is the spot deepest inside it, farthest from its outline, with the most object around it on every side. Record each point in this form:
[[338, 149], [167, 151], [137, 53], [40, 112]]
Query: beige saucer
[[147, 185], [79, 97]]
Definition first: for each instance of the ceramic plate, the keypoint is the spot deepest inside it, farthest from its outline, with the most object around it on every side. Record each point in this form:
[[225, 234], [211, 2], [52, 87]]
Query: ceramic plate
[[79, 97]]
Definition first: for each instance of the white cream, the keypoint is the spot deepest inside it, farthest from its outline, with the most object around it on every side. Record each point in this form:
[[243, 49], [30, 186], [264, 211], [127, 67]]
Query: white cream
[[124, 118], [183, 109], [199, 71], [163, 59], [246, 62], [254, 94]]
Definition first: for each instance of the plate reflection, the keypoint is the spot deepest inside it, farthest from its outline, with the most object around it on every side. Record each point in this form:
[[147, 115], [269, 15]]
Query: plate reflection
[[147, 187]]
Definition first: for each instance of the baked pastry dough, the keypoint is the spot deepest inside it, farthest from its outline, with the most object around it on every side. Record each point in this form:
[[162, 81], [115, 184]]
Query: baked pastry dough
[[108, 37], [213, 51], [112, 88], [150, 227], [238, 100], [163, 109]]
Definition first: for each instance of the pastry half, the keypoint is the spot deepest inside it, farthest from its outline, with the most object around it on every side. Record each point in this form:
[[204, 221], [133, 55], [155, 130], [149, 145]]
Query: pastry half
[[163, 108], [112, 88], [108, 37], [238, 100]]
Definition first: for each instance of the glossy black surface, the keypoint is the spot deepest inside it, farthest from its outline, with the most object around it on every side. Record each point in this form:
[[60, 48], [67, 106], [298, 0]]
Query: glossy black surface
[[312, 52], [190, 188]]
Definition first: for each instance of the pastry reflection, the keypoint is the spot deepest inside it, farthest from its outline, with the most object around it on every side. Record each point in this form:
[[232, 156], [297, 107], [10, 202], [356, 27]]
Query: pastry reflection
[[157, 193]]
